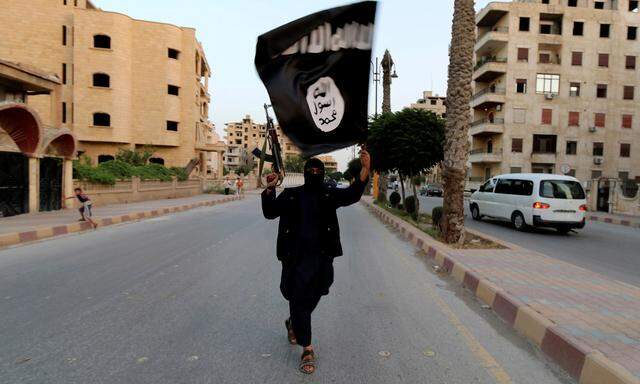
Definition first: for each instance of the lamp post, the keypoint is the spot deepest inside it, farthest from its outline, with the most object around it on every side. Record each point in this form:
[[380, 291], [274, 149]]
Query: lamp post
[[376, 80], [387, 76]]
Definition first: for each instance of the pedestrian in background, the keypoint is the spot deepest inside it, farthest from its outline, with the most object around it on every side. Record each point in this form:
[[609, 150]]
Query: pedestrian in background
[[308, 241], [85, 208], [239, 187], [227, 185]]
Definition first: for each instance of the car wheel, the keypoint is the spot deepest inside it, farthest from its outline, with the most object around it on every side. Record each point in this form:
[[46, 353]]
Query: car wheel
[[518, 221], [475, 212]]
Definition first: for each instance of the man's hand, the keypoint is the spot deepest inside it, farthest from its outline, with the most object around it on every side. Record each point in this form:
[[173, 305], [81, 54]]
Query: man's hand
[[365, 161], [272, 180]]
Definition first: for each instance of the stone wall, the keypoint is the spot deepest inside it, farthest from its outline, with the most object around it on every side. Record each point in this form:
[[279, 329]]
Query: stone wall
[[136, 190]]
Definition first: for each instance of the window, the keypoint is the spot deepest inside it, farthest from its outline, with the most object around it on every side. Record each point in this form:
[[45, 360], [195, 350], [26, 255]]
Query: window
[[572, 3], [173, 90], [574, 119], [598, 4], [101, 80], [561, 189], [544, 143], [595, 174], [627, 121], [524, 24], [601, 91], [64, 73], [603, 59], [173, 53], [578, 28], [64, 35], [434, 102], [625, 150], [156, 160], [101, 119], [545, 1], [516, 145], [515, 170], [515, 187], [572, 148], [521, 85], [574, 89], [523, 54], [64, 112], [624, 175], [632, 33], [544, 58], [173, 126], [600, 119], [633, 6], [628, 92], [598, 149], [547, 83], [547, 116], [488, 186], [102, 41], [605, 30], [545, 29], [630, 62], [105, 158], [576, 58], [519, 115]]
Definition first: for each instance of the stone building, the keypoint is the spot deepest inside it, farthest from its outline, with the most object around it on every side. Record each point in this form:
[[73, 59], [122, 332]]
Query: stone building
[[556, 89], [431, 102], [126, 83], [246, 135], [330, 164]]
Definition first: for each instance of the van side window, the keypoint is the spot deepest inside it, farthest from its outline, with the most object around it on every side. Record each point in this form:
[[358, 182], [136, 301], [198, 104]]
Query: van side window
[[488, 186], [515, 187], [504, 187]]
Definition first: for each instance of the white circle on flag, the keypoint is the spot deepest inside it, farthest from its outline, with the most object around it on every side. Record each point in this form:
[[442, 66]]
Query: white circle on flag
[[325, 104]]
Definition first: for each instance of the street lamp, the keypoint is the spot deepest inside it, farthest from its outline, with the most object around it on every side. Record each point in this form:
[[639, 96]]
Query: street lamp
[[376, 79]]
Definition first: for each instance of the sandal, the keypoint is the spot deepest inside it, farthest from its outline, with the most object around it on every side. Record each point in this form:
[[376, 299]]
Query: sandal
[[290, 335], [308, 362]]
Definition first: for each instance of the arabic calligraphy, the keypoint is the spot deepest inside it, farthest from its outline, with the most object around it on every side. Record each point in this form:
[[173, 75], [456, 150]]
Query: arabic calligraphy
[[325, 104]]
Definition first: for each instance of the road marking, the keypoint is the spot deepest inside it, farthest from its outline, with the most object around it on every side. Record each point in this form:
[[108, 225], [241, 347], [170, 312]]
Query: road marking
[[488, 362]]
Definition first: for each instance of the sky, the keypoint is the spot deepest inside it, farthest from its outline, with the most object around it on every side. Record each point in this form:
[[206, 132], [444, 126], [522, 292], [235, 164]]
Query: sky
[[416, 33]]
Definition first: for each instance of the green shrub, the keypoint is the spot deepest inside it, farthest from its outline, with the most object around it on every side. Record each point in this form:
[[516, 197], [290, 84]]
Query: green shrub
[[394, 199], [153, 172], [410, 205], [214, 189], [436, 216], [94, 174], [119, 169], [180, 173], [135, 157]]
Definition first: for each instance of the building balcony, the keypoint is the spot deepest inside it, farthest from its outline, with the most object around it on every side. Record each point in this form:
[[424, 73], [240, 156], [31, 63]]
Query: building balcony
[[487, 127], [491, 14], [489, 68], [488, 98], [492, 41], [480, 155], [544, 157], [209, 147]]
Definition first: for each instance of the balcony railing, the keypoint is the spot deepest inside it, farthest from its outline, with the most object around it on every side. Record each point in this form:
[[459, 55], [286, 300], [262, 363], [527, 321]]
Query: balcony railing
[[483, 151], [494, 91], [495, 120], [485, 60], [494, 29]]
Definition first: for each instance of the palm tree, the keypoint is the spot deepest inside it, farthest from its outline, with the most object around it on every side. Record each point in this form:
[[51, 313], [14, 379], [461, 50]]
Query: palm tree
[[463, 36]]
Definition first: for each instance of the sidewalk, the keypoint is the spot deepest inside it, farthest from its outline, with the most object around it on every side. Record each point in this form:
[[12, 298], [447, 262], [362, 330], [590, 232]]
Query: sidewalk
[[585, 322], [36, 226], [626, 220]]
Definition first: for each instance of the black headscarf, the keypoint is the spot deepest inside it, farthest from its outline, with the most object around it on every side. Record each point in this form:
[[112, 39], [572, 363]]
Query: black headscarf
[[311, 180]]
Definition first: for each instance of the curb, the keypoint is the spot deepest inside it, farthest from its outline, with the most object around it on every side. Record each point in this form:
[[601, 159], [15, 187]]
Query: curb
[[582, 362], [616, 221], [41, 233]]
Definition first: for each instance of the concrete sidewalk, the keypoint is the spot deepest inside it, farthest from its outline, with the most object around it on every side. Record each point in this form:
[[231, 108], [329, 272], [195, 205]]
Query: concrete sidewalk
[[626, 220], [36, 226], [587, 323]]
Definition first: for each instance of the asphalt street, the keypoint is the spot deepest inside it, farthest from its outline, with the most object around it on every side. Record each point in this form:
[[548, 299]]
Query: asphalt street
[[193, 298], [609, 249]]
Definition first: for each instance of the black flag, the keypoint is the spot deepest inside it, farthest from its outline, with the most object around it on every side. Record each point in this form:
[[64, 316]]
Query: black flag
[[316, 70]]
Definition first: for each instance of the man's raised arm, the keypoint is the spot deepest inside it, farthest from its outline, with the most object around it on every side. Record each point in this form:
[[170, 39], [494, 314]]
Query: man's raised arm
[[352, 195]]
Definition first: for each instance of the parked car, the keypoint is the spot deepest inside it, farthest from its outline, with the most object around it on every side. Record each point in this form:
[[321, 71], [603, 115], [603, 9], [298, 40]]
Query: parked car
[[431, 190], [532, 199]]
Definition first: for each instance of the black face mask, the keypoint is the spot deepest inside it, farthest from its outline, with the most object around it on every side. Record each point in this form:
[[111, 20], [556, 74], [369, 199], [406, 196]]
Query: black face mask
[[313, 180]]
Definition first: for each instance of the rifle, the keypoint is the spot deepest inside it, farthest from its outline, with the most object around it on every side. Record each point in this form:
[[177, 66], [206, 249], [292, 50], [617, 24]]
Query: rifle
[[275, 158]]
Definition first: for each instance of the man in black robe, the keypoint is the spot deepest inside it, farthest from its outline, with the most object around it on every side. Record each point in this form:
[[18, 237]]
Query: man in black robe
[[308, 240]]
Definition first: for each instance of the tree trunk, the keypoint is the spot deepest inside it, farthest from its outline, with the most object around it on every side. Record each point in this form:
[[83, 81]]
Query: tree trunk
[[382, 186], [456, 153], [415, 197], [401, 187]]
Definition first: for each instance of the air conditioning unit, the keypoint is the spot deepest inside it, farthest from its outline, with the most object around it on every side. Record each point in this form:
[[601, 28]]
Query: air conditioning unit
[[598, 160], [549, 96]]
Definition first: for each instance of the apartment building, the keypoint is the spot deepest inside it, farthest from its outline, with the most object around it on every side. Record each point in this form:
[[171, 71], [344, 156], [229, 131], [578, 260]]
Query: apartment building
[[126, 83], [246, 135], [556, 89], [330, 164], [431, 102]]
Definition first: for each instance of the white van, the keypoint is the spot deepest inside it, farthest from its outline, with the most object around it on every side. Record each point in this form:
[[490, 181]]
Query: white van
[[532, 199]]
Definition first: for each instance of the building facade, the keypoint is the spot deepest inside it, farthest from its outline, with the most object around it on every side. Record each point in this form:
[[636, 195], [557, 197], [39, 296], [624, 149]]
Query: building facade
[[556, 89], [330, 164], [431, 102], [244, 136], [126, 83]]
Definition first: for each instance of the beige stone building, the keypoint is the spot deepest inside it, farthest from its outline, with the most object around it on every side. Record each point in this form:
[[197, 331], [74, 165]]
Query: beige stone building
[[431, 102], [330, 164], [244, 136], [126, 83], [556, 89]]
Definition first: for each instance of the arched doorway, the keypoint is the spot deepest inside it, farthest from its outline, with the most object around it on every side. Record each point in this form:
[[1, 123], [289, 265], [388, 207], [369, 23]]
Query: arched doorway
[[156, 160], [105, 158], [59, 144], [489, 146]]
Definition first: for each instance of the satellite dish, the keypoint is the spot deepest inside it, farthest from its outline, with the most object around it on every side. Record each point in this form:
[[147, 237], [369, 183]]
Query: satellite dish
[[565, 168]]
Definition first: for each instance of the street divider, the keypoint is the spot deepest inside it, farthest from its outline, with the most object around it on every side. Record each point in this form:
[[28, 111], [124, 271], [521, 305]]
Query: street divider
[[41, 233], [585, 364]]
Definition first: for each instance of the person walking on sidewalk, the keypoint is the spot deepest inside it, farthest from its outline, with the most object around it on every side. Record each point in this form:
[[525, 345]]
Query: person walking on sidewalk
[[227, 185], [85, 208], [239, 187], [308, 241]]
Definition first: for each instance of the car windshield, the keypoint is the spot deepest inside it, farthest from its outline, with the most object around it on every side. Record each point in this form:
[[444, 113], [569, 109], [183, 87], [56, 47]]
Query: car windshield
[[561, 189]]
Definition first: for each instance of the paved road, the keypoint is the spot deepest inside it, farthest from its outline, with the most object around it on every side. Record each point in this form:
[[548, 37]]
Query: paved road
[[609, 249], [193, 298]]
